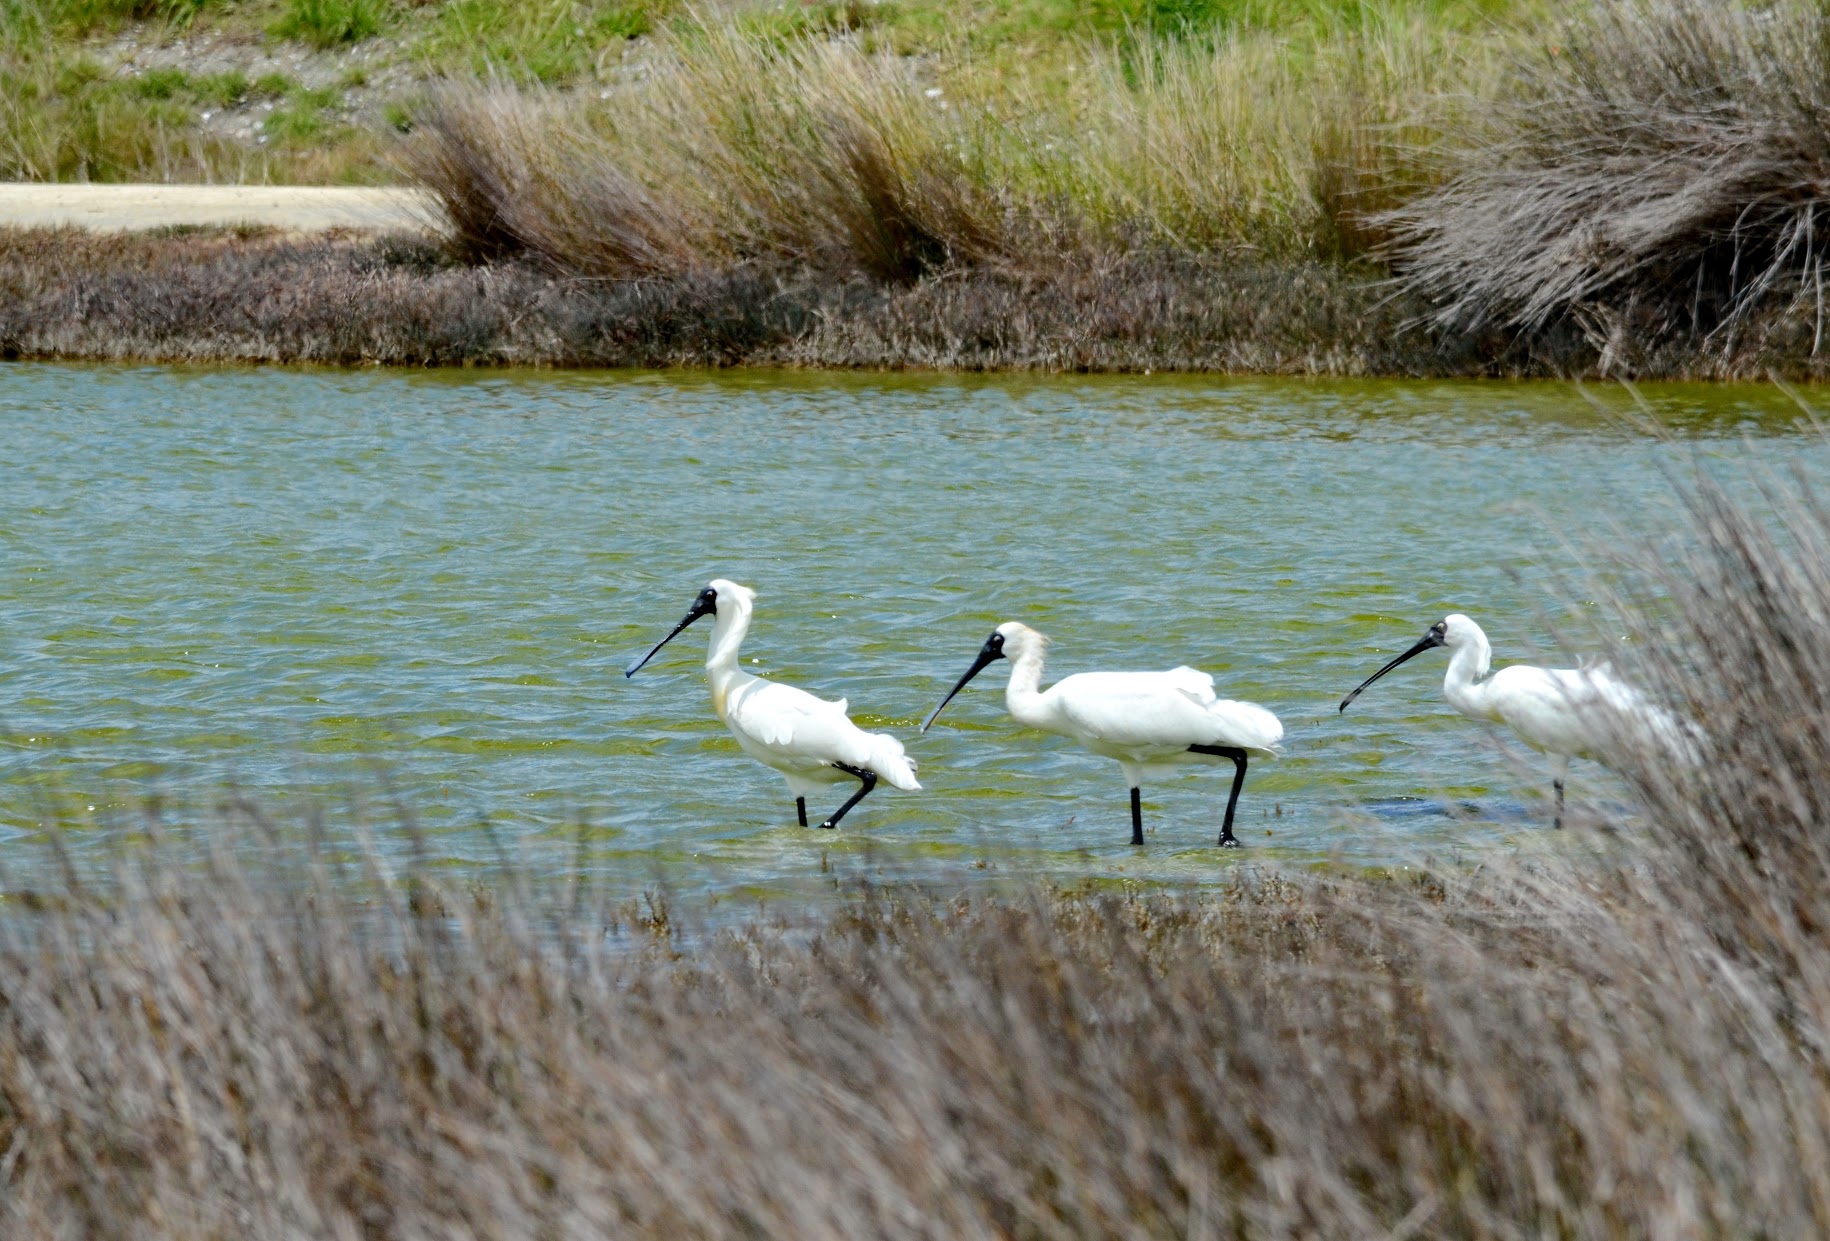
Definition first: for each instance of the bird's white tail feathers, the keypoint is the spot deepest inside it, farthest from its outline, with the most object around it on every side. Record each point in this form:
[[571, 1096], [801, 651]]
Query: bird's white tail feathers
[[890, 762], [1251, 726]]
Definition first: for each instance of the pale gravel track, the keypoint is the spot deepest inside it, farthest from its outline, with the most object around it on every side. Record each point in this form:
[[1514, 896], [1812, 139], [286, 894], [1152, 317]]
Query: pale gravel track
[[293, 208]]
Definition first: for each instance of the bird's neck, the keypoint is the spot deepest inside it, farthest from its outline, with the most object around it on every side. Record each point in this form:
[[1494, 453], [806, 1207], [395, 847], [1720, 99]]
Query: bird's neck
[[1464, 685], [728, 631], [1022, 697]]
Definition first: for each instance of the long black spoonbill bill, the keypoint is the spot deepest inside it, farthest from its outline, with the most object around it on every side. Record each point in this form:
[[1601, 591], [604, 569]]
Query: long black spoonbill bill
[[809, 740], [1565, 712], [1148, 721]]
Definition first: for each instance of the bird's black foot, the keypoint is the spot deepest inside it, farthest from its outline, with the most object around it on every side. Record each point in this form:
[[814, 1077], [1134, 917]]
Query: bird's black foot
[[1231, 842], [867, 780]]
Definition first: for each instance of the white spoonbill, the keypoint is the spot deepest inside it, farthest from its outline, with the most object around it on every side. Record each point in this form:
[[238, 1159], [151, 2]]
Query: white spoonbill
[[1566, 712], [1148, 721], [809, 740]]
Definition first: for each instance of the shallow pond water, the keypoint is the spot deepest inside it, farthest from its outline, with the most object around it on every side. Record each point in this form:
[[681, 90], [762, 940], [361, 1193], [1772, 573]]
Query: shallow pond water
[[393, 597]]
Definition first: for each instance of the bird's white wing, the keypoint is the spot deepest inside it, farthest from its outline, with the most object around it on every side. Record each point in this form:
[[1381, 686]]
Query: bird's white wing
[[1193, 682], [1177, 708], [794, 732], [775, 715], [1587, 711]]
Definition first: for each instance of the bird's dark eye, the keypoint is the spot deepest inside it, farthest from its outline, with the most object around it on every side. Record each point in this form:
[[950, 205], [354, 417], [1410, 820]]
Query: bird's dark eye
[[996, 642]]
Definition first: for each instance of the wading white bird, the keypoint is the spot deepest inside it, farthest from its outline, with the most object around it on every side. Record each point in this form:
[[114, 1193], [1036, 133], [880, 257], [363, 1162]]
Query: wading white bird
[[809, 740], [1565, 712], [1148, 721]]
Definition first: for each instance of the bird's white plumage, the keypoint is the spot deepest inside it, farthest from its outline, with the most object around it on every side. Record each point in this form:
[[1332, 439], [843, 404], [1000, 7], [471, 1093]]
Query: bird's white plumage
[[1145, 720], [1152, 718], [1569, 712], [802, 736], [1566, 712], [797, 734]]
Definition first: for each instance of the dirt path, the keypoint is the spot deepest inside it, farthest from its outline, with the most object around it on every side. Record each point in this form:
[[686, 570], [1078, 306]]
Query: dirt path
[[300, 208]]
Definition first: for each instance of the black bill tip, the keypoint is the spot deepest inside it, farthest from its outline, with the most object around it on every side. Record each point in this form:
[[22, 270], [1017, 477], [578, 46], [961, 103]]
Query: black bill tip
[[993, 649], [1433, 638], [705, 604]]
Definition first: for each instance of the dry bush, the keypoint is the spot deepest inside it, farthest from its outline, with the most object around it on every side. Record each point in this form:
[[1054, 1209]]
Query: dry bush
[[730, 148], [1736, 627], [1656, 169], [824, 154], [512, 177], [251, 297], [472, 152]]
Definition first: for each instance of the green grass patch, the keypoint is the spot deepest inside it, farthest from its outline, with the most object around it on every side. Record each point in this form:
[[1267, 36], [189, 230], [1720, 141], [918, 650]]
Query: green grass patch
[[549, 41], [161, 83], [1038, 71], [221, 89], [329, 23], [85, 16]]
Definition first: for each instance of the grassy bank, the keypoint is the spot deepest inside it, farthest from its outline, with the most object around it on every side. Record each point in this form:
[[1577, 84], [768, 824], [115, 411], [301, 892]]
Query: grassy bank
[[244, 1031], [1643, 175], [315, 89], [1446, 188]]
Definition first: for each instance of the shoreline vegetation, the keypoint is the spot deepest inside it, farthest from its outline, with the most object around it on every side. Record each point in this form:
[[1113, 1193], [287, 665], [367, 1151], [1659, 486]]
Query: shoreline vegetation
[[244, 1029], [1413, 188]]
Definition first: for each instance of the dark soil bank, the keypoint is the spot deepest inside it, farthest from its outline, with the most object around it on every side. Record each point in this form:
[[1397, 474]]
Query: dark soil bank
[[235, 297]]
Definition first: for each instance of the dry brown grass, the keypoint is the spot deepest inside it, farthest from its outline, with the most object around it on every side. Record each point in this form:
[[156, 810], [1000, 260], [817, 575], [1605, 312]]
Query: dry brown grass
[[732, 148], [1657, 171]]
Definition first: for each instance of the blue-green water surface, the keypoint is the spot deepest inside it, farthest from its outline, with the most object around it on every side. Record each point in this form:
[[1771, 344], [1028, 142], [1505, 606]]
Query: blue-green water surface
[[401, 597]]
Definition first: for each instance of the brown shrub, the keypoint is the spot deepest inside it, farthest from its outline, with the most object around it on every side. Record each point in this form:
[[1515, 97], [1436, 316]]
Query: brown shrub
[[1656, 171]]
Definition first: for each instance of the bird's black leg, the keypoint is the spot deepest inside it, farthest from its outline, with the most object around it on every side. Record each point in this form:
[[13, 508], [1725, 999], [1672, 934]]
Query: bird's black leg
[[800, 809], [1137, 819], [1227, 839], [1557, 784], [869, 779]]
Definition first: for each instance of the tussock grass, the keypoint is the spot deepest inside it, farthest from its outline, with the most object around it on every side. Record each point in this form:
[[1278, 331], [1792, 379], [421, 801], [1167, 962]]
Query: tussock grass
[[1654, 169], [257, 1032], [737, 148], [733, 147]]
